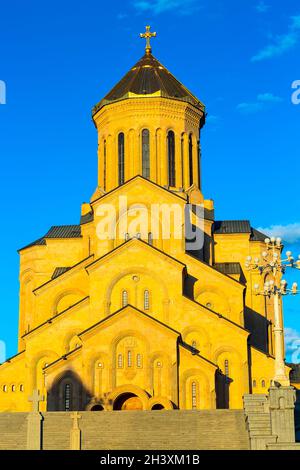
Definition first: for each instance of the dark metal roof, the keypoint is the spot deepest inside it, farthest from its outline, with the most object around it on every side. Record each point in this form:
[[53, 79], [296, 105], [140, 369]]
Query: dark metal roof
[[228, 268], [238, 226], [231, 226], [64, 231], [257, 236], [85, 219], [149, 76], [57, 231], [58, 271], [40, 241]]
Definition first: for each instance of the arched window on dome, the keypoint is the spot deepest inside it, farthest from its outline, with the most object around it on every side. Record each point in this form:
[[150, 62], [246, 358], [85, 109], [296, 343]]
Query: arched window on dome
[[121, 154], [191, 159], [171, 158], [146, 153]]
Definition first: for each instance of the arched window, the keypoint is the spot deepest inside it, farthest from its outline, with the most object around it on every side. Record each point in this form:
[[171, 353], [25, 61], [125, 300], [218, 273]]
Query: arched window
[[146, 300], [191, 159], [194, 344], [127, 237], [146, 153], [150, 238], [120, 361], [194, 395], [21, 388], [171, 158], [254, 383], [226, 369], [121, 153], [104, 165], [129, 358], [67, 397], [124, 298], [4, 388], [138, 235], [13, 388], [263, 383], [138, 360]]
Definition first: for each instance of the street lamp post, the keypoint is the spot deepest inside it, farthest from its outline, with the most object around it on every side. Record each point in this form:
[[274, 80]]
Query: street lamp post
[[270, 263]]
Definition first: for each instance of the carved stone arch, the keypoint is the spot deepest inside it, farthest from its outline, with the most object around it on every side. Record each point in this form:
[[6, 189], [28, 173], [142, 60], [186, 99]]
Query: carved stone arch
[[129, 389], [125, 334], [136, 270], [69, 339], [212, 294], [36, 365], [201, 334], [27, 273], [128, 342], [203, 381], [163, 401], [227, 349], [71, 296], [92, 361], [160, 375]]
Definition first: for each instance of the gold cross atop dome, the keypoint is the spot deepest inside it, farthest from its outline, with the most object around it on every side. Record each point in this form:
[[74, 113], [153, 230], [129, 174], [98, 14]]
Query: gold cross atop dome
[[148, 35]]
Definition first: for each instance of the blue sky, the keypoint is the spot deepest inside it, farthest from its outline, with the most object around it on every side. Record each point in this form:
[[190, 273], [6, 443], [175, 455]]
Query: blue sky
[[58, 59]]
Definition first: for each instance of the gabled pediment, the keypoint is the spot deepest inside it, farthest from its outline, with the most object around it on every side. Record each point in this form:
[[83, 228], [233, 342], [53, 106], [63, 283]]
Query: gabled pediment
[[141, 187], [126, 318], [131, 249]]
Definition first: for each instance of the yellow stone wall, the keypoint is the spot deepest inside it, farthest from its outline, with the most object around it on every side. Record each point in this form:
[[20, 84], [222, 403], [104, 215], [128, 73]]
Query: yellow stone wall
[[76, 327]]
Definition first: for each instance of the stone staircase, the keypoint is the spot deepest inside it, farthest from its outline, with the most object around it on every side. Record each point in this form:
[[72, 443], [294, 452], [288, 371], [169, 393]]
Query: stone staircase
[[56, 430], [258, 421], [13, 431], [161, 430], [131, 430]]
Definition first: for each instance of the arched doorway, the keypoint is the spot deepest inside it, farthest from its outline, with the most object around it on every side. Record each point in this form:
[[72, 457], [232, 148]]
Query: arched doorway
[[97, 408], [128, 402], [158, 406]]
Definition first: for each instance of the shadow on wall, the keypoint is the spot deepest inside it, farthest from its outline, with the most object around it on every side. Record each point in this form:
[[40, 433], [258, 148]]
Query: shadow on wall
[[69, 394], [258, 326], [222, 390]]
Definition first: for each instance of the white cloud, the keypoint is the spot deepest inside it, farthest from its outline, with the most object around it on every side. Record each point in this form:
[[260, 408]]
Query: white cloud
[[268, 98], [289, 233], [281, 43], [263, 101], [212, 119], [292, 344], [262, 7], [183, 7]]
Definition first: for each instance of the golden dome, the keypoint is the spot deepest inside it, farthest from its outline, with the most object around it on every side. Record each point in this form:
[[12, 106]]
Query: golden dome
[[149, 78]]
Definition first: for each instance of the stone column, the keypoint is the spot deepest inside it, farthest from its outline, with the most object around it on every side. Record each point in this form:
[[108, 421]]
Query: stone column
[[34, 431], [75, 435], [282, 406]]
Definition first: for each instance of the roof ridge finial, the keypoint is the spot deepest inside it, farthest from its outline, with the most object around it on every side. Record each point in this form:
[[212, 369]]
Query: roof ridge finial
[[148, 35]]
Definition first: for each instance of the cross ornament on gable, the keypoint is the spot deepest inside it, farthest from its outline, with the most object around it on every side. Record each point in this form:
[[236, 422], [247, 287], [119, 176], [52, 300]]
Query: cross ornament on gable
[[148, 35], [35, 399]]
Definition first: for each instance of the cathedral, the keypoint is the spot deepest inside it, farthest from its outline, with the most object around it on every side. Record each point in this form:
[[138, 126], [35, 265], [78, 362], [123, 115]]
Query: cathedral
[[146, 304]]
